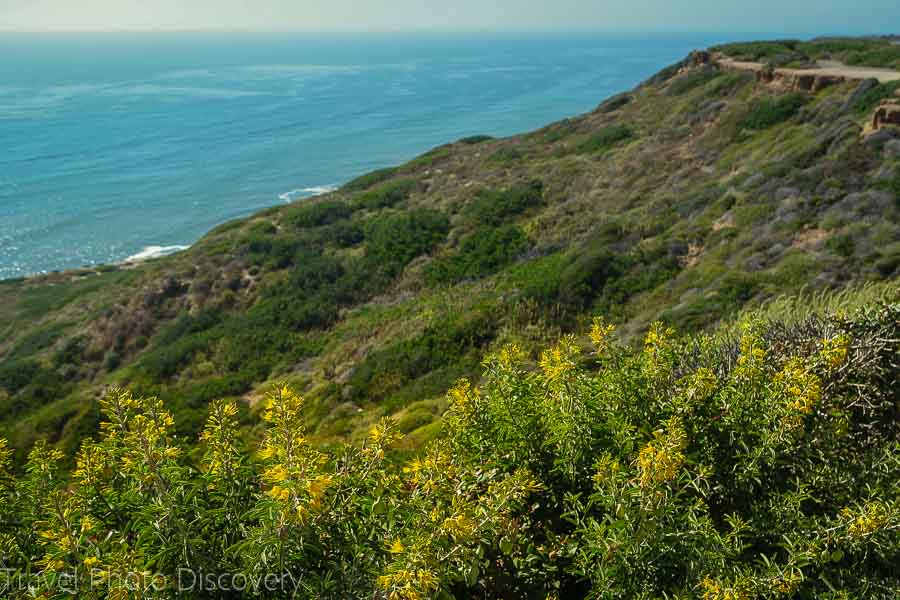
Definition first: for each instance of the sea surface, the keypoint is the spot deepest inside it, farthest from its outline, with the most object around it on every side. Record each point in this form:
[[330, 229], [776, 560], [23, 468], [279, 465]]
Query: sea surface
[[121, 145]]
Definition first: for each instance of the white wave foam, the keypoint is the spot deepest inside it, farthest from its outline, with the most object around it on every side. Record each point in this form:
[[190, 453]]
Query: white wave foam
[[317, 190], [154, 252], [149, 89]]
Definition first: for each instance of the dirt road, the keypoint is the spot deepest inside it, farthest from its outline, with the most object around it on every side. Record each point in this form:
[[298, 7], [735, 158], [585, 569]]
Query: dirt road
[[828, 68]]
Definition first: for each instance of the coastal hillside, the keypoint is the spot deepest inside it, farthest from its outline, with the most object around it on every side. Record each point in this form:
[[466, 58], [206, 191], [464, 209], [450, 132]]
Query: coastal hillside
[[743, 173]]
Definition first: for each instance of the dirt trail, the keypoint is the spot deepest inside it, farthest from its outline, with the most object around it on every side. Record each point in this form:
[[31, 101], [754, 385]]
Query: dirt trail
[[828, 68]]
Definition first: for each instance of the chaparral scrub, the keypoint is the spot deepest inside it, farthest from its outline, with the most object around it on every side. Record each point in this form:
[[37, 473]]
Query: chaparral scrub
[[757, 463]]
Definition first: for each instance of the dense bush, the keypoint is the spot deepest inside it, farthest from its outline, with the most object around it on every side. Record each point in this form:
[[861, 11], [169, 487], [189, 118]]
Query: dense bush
[[494, 207], [727, 83], [758, 466], [394, 239], [507, 155], [484, 251], [317, 214], [871, 52], [692, 80], [885, 57], [364, 182], [386, 195], [604, 139], [449, 347], [475, 139], [757, 50], [16, 374], [769, 111], [869, 100]]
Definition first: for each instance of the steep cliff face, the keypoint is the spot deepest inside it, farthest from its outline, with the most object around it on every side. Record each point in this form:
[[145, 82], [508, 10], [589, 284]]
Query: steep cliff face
[[705, 190]]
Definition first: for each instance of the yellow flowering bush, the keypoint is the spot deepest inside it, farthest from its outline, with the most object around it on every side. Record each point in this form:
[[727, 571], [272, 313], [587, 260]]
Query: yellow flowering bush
[[721, 467]]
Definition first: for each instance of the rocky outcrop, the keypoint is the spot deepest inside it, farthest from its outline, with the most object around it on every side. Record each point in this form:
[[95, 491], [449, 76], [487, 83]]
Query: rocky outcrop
[[888, 113], [699, 58], [792, 79]]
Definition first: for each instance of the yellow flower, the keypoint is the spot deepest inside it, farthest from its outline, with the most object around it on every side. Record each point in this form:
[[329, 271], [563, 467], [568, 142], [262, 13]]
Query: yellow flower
[[384, 433], [600, 333], [657, 336], [803, 390], [396, 547], [279, 493], [458, 526], [834, 351], [509, 355], [318, 487], [91, 562], [874, 516], [559, 360], [752, 355], [714, 590], [413, 467], [660, 460], [606, 469], [275, 474]]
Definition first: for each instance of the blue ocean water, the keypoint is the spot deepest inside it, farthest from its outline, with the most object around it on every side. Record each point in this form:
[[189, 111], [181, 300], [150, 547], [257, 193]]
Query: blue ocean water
[[113, 143]]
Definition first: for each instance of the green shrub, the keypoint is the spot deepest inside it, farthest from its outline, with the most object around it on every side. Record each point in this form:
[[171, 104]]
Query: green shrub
[[757, 50], [394, 239], [692, 80], [492, 207], [317, 214], [481, 253], [872, 98], [387, 195], [507, 154], [38, 340], [604, 139], [770, 111], [448, 347], [473, 140], [364, 182], [838, 47], [727, 83], [842, 245], [271, 251], [16, 374], [428, 160], [885, 57]]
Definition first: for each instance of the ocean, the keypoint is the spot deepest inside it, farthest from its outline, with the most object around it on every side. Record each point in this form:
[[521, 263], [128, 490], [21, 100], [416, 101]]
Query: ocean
[[114, 146]]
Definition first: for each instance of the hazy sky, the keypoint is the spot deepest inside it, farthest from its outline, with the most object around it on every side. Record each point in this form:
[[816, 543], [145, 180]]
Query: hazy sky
[[825, 16]]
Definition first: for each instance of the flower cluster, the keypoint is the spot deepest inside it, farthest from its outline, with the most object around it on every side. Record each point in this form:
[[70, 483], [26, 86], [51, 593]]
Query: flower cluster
[[600, 335], [752, 358], [557, 361], [871, 518], [220, 436], [712, 589], [802, 389], [834, 351], [660, 460]]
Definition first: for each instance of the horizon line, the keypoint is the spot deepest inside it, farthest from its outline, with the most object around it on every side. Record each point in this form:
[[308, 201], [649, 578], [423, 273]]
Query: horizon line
[[462, 30]]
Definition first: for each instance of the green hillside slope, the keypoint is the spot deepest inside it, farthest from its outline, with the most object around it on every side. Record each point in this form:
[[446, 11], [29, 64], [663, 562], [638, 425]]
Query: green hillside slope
[[698, 194]]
